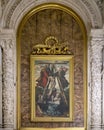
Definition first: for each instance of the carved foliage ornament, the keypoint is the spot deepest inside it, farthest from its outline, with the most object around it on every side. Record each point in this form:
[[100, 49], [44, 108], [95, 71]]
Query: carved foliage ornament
[[51, 47]]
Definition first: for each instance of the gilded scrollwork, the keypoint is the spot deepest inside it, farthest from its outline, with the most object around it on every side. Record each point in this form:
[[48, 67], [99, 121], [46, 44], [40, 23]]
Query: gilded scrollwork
[[51, 47]]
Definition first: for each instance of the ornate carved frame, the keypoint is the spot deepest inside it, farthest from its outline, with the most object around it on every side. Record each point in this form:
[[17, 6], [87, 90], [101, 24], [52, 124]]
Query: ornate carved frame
[[53, 60]]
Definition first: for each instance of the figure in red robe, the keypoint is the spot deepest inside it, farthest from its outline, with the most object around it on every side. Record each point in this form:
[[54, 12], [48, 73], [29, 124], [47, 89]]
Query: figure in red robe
[[43, 79]]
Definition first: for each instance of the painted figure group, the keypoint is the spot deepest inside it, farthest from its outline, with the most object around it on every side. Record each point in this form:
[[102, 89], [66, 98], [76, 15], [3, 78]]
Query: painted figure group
[[50, 89]]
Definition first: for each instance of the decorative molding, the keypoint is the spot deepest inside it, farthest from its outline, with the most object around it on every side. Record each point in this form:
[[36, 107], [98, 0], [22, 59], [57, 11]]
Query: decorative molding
[[94, 12], [6, 34], [11, 12], [100, 5], [4, 3], [86, 9], [97, 33]]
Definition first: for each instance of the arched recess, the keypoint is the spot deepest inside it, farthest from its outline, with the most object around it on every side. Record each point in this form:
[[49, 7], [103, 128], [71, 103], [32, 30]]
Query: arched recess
[[82, 30], [87, 10]]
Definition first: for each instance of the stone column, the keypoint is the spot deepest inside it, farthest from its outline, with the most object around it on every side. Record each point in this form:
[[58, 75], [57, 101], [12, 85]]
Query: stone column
[[95, 94], [0, 87], [8, 88]]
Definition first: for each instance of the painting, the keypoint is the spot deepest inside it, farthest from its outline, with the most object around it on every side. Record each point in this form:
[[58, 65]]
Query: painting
[[51, 88]]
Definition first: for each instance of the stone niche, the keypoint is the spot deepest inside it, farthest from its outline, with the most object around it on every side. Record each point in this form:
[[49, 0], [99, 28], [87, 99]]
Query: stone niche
[[52, 22]]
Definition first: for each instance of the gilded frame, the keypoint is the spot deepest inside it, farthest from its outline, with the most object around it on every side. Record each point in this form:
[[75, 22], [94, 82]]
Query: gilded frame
[[51, 88], [83, 28]]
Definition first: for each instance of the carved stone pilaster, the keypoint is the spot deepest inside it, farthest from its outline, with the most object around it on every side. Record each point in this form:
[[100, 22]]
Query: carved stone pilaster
[[95, 101], [0, 87], [8, 85], [8, 88]]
